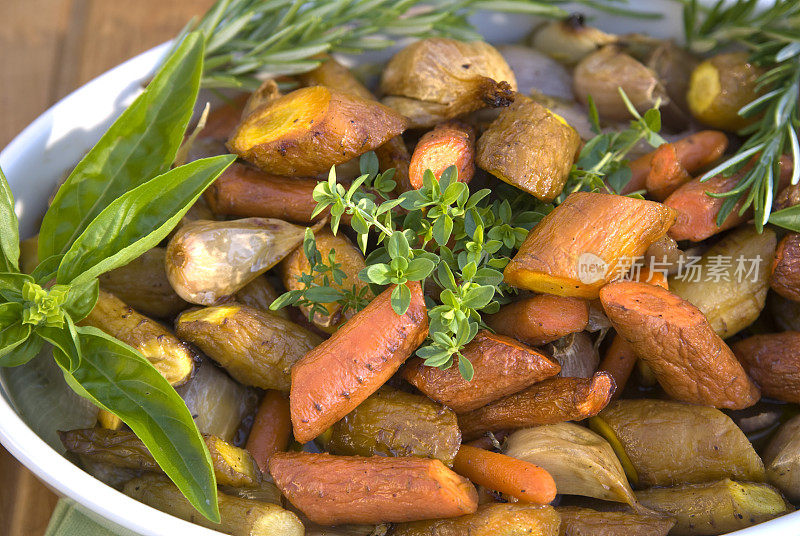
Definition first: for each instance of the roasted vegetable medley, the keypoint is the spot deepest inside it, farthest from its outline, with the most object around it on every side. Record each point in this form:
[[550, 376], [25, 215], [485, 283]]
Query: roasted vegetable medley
[[487, 292]]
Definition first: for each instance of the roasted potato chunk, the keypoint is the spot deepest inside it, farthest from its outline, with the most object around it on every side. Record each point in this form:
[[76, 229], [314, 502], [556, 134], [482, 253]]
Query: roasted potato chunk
[[785, 278], [257, 348], [171, 357], [240, 517], [490, 520], [665, 443], [782, 459], [729, 300], [143, 284], [576, 248], [580, 461], [773, 361], [529, 147], [448, 78], [307, 131], [577, 521], [395, 423], [715, 507], [208, 261], [232, 466]]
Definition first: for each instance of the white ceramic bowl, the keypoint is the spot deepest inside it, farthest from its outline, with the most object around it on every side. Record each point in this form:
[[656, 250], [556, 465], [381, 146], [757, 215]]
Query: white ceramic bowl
[[33, 163]]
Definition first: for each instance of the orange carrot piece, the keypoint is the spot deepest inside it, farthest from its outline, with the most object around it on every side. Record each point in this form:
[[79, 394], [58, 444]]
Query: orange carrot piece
[[222, 120], [271, 429], [331, 490], [673, 164], [336, 376], [540, 319], [517, 478], [449, 144]]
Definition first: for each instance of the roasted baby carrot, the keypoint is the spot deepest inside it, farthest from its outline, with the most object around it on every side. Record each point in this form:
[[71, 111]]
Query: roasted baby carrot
[[271, 428], [449, 144], [551, 401], [773, 361], [674, 163], [692, 363], [222, 120], [540, 319], [502, 367], [339, 374], [247, 192], [517, 478], [331, 490]]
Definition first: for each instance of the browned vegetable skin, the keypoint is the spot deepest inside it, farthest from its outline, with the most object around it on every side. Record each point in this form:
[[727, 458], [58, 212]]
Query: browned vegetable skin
[[551, 401], [449, 144], [785, 278], [360, 357], [537, 320], [447, 78], [691, 362], [171, 357], [664, 443], [529, 147], [512, 519], [143, 284], [502, 367], [259, 294], [239, 517], [715, 507], [773, 361], [310, 129], [354, 489], [232, 466], [577, 521], [257, 348], [222, 120], [351, 261], [395, 423], [673, 65], [584, 239]]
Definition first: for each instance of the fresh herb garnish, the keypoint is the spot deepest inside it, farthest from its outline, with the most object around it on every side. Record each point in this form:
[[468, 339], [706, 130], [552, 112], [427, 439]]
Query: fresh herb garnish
[[251, 40], [442, 235], [772, 35], [121, 200]]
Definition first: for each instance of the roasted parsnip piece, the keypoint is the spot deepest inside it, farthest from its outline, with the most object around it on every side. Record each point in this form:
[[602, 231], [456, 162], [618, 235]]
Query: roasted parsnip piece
[[353, 489], [580, 461], [240, 517], [307, 131], [259, 294], [665, 443], [450, 77], [732, 299], [257, 348], [782, 459], [551, 401], [540, 319], [171, 357], [502, 367], [511, 519], [529, 147], [360, 357], [773, 361], [715, 507], [576, 248], [785, 277], [395, 423], [143, 284], [208, 261], [577, 521], [691, 362]]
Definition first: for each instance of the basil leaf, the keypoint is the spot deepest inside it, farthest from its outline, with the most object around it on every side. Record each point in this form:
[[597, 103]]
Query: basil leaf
[[141, 144], [138, 220], [11, 285], [27, 350], [117, 378], [64, 340], [46, 270], [82, 299], [12, 333], [9, 228]]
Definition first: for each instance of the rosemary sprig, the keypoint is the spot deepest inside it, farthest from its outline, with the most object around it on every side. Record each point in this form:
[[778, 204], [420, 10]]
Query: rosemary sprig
[[772, 35], [251, 40]]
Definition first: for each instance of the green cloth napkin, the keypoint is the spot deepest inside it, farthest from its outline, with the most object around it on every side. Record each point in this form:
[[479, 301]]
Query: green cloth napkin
[[69, 520]]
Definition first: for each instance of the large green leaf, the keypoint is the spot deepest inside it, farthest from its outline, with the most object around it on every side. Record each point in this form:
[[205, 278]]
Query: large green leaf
[[138, 220], [9, 229], [141, 144], [13, 333], [117, 378]]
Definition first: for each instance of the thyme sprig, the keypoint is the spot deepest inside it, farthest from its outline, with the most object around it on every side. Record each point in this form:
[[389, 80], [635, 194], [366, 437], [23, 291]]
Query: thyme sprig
[[772, 35]]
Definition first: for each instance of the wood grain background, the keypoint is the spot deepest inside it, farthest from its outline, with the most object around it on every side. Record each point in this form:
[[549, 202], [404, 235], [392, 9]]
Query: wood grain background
[[49, 48]]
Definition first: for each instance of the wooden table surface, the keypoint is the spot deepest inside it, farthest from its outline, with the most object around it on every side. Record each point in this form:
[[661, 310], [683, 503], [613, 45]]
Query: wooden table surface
[[48, 48]]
